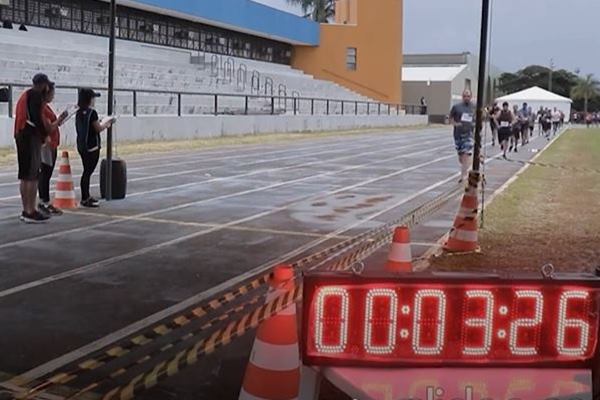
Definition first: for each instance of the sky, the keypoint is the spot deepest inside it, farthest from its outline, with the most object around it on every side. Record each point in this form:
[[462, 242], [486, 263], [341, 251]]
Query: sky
[[524, 32]]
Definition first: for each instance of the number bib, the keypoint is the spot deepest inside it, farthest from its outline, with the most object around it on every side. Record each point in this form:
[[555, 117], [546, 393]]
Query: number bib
[[465, 117]]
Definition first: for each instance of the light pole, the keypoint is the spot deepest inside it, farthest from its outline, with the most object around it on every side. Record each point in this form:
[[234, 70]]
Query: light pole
[[550, 73], [111, 90], [485, 16]]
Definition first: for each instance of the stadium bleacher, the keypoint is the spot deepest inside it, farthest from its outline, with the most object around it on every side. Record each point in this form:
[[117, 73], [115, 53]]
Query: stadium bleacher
[[73, 59]]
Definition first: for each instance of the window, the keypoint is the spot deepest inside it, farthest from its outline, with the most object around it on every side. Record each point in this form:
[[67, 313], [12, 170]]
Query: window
[[351, 58], [468, 84], [93, 17]]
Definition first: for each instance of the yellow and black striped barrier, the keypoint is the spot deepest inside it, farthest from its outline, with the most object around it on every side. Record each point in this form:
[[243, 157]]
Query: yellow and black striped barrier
[[344, 254]]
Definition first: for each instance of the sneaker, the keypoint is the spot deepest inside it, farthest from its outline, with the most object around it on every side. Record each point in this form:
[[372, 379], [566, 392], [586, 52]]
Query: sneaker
[[504, 156], [35, 218], [49, 209], [90, 203], [43, 209]]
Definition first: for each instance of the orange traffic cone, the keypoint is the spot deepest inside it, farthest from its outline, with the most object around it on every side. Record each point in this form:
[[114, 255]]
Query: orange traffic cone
[[273, 371], [463, 237], [400, 258], [64, 196]]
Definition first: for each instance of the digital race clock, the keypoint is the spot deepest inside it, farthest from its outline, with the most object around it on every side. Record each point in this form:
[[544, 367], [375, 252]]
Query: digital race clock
[[451, 320]]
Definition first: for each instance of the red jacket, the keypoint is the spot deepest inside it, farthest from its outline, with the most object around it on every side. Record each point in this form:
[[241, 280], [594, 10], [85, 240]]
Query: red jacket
[[55, 134], [21, 114]]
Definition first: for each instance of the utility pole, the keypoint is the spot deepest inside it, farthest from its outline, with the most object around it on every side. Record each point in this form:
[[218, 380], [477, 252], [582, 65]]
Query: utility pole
[[551, 72], [111, 92], [485, 16]]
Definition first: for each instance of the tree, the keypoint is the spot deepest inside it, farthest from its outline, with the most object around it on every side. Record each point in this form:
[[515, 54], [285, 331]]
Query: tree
[[586, 88], [536, 75], [317, 10]]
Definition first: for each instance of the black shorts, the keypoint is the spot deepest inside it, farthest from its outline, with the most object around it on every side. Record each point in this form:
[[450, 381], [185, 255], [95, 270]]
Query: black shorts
[[524, 128], [504, 134], [29, 154], [516, 132]]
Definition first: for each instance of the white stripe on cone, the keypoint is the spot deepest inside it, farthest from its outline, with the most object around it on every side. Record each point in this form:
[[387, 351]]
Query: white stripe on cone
[[64, 195], [275, 357], [467, 212], [465, 236], [247, 396], [64, 178], [400, 252]]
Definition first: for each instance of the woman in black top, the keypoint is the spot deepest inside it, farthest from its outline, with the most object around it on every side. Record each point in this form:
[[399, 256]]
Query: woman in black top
[[88, 141]]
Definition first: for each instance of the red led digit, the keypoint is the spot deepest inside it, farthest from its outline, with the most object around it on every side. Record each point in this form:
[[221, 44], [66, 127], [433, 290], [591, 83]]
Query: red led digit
[[524, 332], [429, 322], [331, 328], [478, 331], [392, 321], [381, 316], [570, 328]]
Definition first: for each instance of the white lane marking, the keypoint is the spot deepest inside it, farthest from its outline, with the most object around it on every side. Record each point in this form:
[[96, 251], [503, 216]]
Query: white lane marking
[[341, 137], [206, 168], [148, 249], [222, 197], [307, 149], [113, 337], [277, 169], [268, 170], [213, 168]]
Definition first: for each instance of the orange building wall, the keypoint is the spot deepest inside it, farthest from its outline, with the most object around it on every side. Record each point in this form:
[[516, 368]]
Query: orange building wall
[[375, 28]]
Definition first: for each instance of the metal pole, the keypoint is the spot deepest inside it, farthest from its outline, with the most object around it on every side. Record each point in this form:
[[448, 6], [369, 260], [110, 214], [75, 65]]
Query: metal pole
[[485, 16], [551, 72], [111, 93], [10, 101], [135, 103]]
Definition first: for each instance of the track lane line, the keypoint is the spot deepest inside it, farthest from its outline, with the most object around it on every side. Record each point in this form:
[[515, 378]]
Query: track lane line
[[107, 340], [222, 197], [16, 197], [125, 256]]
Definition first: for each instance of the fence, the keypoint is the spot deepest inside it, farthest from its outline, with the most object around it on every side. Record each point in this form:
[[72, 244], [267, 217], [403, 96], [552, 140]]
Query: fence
[[187, 103]]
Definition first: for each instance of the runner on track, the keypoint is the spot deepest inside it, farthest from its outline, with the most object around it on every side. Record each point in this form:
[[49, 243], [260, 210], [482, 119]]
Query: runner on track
[[462, 118]]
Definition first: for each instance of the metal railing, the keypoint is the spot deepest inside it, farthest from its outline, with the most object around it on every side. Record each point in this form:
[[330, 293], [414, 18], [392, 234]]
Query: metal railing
[[268, 104]]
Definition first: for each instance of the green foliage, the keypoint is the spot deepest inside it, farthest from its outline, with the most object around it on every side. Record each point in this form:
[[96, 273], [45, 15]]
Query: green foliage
[[317, 10], [586, 88], [563, 83], [537, 75]]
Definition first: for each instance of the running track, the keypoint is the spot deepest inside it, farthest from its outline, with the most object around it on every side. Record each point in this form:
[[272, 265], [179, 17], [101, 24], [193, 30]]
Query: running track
[[194, 222]]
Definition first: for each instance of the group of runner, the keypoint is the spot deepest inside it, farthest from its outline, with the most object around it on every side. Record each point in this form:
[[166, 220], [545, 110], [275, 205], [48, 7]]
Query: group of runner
[[511, 126], [37, 137]]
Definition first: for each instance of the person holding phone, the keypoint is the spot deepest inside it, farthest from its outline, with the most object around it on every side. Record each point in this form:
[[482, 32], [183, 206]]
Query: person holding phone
[[88, 128], [49, 151], [30, 133]]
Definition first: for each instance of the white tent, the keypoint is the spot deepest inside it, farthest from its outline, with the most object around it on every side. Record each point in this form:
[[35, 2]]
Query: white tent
[[537, 97]]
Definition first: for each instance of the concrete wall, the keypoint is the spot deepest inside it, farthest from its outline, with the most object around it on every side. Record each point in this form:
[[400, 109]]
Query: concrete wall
[[458, 84], [156, 128], [437, 95], [377, 36]]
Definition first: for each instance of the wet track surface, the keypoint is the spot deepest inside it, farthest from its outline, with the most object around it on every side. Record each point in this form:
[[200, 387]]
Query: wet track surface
[[194, 220]]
